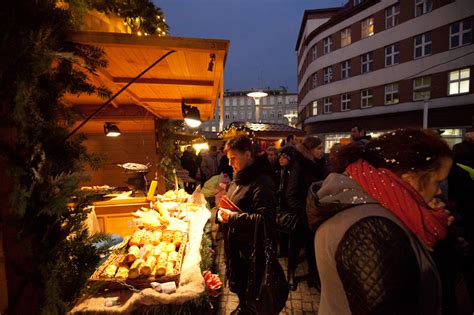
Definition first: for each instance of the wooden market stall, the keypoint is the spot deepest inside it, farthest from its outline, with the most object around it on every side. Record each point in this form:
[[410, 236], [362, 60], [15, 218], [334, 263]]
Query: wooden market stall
[[265, 134], [193, 73]]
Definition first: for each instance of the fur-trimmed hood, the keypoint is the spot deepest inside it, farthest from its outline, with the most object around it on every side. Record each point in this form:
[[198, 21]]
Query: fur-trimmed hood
[[304, 151]]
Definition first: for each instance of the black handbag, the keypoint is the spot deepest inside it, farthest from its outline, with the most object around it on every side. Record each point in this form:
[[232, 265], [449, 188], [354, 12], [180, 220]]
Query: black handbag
[[286, 221], [267, 288]]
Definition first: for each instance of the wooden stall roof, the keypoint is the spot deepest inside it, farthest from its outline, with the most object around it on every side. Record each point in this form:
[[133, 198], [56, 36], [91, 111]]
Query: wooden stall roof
[[185, 75], [260, 130]]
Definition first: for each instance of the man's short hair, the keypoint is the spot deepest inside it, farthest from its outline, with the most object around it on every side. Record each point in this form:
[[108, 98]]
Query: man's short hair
[[239, 143], [289, 138]]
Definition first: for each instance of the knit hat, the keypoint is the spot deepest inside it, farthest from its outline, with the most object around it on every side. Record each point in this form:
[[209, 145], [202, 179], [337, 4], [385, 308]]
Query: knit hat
[[287, 151]]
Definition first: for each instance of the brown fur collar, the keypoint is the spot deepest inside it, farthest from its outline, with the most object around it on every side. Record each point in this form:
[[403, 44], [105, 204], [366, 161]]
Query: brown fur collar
[[304, 151]]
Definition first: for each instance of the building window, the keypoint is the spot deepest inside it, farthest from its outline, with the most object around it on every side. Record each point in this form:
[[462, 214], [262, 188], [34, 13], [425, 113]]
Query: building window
[[392, 55], [264, 114], [327, 45], [366, 98], [327, 75], [345, 102], [234, 102], [423, 45], [214, 129], [391, 94], [345, 37], [234, 115], [357, 2], [459, 81], [367, 27], [345, 69], [313, 53], [280, 114], [227, 116], [423, 6], [315, 108], [460, 34], [272, 114], [249, 115], [391, 16], [421, 88], [366, 62], [314, 83], [327, 105]]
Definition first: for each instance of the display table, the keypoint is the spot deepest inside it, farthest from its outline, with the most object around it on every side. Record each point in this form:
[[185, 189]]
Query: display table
[[191, 283]]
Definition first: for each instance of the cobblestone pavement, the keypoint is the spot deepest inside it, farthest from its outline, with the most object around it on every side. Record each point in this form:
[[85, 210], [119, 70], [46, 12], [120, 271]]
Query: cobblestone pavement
[[304, 300]]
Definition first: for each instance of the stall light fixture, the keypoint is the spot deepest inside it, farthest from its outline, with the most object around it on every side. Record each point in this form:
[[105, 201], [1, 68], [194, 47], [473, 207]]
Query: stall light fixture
[[111, 130], [191, 115], [210, 67]]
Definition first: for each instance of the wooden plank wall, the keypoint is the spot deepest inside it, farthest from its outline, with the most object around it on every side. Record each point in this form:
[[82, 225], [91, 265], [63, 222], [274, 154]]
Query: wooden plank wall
[[135, 147]]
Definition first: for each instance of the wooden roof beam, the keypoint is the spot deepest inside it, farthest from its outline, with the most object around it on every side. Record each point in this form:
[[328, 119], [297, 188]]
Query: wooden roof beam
[[164, 81]]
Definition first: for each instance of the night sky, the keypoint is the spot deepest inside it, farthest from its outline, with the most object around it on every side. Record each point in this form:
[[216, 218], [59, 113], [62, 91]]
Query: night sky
[[262, 35]]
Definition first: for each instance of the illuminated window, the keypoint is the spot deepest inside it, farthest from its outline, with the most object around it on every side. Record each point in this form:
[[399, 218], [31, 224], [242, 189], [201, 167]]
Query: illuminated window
[[367, 27], [391, 94], [459, 81], [346, 37], [315, 108], [421, 88]]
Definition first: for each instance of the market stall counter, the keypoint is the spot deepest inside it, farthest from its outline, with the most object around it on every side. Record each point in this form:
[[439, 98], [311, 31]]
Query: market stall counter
[[159, 260]]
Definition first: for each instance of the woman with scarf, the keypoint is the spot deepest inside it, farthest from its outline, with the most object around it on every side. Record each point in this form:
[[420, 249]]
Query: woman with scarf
[[308, 166], [378, 222]]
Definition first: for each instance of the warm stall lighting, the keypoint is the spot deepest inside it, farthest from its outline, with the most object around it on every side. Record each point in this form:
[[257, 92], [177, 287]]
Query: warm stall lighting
[[191, 115], [200, 146], [111, 130]]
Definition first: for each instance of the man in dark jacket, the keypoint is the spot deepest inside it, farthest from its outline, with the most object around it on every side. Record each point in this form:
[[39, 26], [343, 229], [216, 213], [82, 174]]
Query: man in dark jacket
[[464, 152], [253, 193]]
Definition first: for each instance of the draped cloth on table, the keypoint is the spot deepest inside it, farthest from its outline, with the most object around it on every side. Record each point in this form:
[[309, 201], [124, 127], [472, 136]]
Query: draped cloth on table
[[191, 283]]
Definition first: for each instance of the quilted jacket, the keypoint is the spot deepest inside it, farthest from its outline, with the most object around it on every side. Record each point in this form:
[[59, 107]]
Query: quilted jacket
[[368, 262]]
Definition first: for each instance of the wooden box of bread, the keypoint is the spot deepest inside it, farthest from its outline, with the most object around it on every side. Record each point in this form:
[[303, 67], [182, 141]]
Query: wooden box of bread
[[144, 257]]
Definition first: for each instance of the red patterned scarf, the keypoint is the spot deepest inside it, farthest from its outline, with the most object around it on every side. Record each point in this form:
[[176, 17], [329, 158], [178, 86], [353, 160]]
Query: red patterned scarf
[[402, 200]]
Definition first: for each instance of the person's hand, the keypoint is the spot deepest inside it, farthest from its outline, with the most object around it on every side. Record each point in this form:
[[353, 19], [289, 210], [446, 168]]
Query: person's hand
[[223, 215]]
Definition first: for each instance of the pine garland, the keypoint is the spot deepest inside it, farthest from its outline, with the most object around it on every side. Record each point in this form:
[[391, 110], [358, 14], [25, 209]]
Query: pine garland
[[53, 254], [168, 130]]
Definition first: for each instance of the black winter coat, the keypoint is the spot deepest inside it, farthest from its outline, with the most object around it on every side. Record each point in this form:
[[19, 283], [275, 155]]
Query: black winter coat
[[252, 190], [303, 172]]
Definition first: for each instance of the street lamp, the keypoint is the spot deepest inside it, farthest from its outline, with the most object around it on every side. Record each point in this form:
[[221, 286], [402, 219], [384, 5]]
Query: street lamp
[[256, 97]]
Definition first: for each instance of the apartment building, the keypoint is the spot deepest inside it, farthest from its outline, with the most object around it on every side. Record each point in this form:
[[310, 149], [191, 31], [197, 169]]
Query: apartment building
[[384, 64], [278, 107]]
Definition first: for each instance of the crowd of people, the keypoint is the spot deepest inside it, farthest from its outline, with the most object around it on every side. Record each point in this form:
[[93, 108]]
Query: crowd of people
[[385, 224]]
